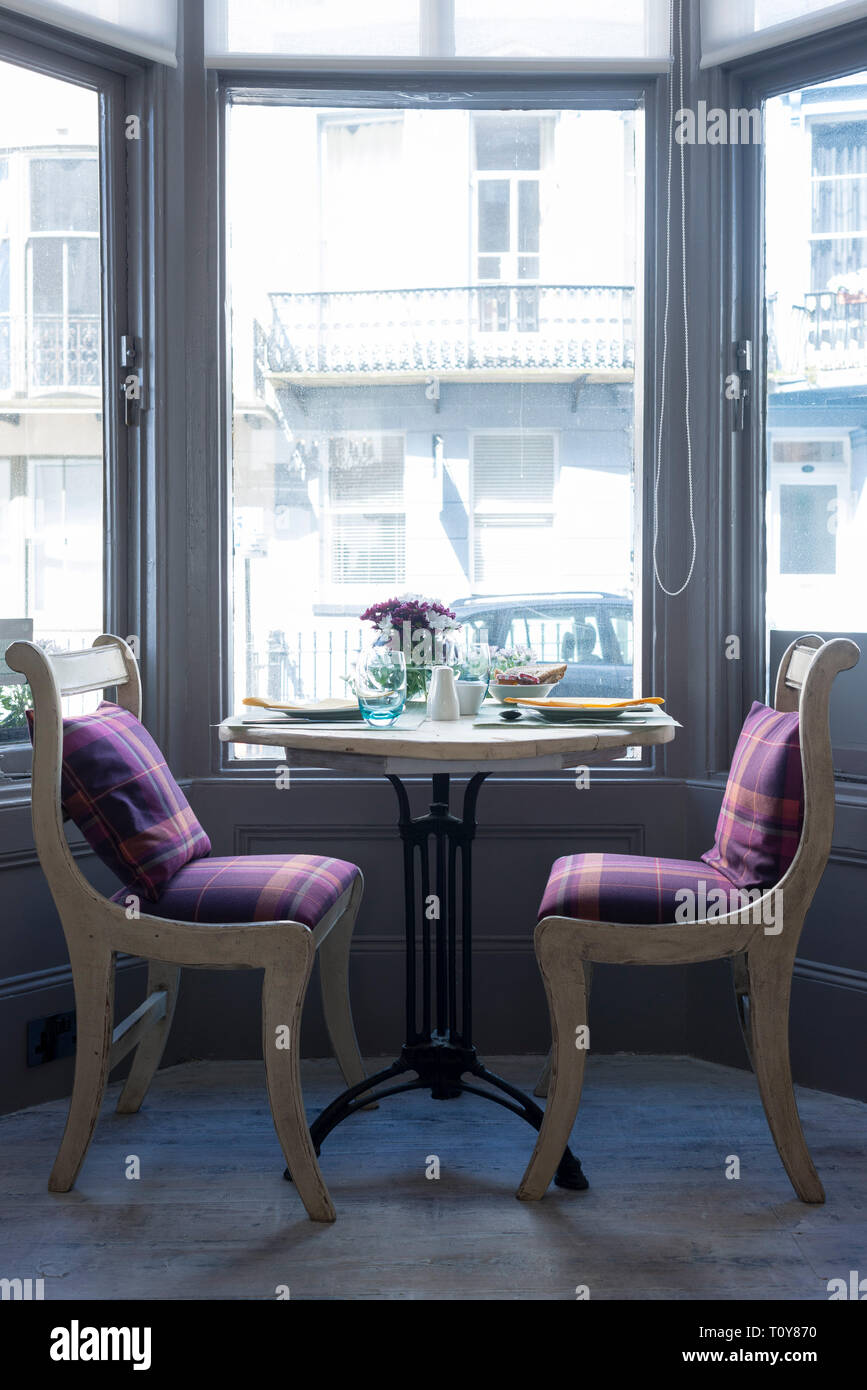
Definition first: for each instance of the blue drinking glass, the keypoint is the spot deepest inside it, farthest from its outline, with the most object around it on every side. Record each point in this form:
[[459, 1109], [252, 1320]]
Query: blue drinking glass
[[380, 685]]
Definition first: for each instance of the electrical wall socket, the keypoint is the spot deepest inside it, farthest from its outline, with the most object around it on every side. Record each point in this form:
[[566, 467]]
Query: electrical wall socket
[[50, 1038]]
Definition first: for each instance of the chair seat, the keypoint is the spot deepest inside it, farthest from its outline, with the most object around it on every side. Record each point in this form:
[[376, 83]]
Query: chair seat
[[628, 888], [253, 888]]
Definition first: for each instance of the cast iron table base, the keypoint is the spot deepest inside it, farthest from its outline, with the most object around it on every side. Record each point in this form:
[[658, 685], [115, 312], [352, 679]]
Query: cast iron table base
[[439, 1048]]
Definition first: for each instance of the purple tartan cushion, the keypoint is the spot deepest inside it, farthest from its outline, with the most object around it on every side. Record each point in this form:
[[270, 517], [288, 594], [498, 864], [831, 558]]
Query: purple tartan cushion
[[116, 787], [628, 888], [253, 888], [759, 824]]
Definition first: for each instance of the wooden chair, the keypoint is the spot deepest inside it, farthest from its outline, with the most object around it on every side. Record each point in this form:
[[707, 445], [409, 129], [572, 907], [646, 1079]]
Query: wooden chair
[[96, 928], [762, 962]]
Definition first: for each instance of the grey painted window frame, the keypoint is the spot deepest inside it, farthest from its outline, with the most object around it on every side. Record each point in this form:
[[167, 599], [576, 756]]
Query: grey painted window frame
[[123, 87], [748, 83], [478, 91]]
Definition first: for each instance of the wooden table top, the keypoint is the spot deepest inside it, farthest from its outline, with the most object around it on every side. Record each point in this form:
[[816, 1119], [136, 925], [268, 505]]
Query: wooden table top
[[448, 746]]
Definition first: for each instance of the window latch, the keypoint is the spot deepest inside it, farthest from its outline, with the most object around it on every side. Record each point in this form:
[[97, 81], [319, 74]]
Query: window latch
[[739, 384], [130, 384]]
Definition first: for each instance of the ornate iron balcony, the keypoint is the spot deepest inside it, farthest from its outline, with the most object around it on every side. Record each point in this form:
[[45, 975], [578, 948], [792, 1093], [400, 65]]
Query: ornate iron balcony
[[825, 333], [461, 329], [43, 353]]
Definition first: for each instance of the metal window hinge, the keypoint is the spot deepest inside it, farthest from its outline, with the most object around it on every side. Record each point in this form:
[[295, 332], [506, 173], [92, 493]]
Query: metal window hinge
[[131, 380]]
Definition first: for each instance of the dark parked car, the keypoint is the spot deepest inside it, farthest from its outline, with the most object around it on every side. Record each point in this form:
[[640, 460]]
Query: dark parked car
[[591, 632]]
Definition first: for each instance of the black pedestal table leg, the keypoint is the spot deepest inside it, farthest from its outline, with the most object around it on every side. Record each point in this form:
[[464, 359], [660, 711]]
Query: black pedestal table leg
[[440, 1056]]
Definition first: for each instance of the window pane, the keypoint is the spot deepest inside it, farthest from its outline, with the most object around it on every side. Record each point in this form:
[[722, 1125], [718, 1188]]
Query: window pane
[[807, 543], [528, 215], [5, 199], [4, 275], [385, 28], [494, 215], [400, 425], [83, 276], [47, 277], [270, 29], [51, 439], [64, 195], [507, 142], [816, 278], [560, 29]]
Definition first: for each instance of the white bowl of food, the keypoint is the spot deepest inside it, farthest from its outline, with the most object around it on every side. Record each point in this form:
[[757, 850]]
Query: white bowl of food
[[533, 681], [502, 692]]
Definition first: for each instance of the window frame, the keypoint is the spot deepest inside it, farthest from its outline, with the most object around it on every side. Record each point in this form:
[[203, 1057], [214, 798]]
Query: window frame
[[120, 84], [370, 86], [750, 82]]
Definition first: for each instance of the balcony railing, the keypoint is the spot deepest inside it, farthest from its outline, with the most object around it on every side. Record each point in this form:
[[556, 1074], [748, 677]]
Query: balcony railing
[[825, 333], [837, 335], [64, 352], [50, 353], [464, 329]]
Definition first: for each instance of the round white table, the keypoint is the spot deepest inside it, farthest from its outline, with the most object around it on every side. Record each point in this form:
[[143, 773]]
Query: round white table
[[438, 1049]]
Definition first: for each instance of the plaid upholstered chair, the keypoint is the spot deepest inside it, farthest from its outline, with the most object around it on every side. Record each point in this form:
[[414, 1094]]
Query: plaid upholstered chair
[[179, 905], [745, 899]]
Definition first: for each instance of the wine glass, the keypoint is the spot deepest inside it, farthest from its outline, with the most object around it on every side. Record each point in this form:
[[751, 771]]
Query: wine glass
[[380, 685], [474, 662]]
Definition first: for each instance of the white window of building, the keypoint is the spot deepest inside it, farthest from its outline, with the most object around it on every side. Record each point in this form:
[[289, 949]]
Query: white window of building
[[838, 233], [366, 522], [514, 477]]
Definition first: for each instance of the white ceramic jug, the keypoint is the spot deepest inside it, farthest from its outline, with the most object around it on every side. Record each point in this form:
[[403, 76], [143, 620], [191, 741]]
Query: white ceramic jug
[[442, 700]]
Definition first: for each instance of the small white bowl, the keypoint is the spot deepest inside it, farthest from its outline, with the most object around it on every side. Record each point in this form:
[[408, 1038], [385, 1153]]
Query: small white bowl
[[501, 693], [470, 696]]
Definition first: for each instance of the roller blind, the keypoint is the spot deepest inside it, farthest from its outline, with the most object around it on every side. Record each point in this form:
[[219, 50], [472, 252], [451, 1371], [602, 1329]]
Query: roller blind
[[251, 34], [149, 28], [734, 28]]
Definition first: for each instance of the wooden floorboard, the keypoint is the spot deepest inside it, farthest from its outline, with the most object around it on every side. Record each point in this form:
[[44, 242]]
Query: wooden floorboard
[[211, 1217]]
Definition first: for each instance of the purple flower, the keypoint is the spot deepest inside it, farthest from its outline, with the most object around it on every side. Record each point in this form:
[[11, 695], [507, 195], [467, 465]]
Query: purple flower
[[412, 609]]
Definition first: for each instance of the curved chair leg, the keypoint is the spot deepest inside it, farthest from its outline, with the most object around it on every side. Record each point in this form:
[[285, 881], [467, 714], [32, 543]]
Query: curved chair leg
[[334, 983], [566, 987], [770, 982], [544, 1081], [93, 978], [283, 991], [741, 983], [148, 1054]]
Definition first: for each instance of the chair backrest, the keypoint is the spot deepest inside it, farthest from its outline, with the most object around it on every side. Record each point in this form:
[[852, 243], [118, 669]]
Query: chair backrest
[[804, 678], [109, 663]]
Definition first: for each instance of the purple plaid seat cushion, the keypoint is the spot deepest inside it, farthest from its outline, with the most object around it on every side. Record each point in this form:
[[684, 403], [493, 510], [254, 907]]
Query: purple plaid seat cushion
[[633, 889], [115, 786], [253, 888], [759, 825]]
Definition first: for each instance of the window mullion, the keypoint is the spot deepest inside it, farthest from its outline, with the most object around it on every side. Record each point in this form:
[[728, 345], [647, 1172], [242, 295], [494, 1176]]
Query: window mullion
[[436, 28]]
